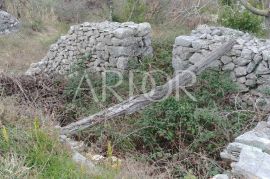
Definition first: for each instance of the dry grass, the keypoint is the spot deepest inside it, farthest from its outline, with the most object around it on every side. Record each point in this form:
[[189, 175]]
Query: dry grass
[[19, 50]]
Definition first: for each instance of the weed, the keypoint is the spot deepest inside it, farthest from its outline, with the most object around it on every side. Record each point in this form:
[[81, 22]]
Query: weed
[[174, 129], [241, 20], [133, 10]]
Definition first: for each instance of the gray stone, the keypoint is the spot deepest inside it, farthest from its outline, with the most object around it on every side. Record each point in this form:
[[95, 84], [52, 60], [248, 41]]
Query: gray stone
[[228, 67], [247, 54], [225, 59], [238, 47], [216, 32], [259, 137], [257, 59], [8, 23], [251, 76], [123, 33], [254, 49], [179, 64], [236, 52], [196, 57], [215, 64], [252, 164], [251, 67], [262, 69], [122, 63], [241, 61], [184, 41], [242, 80], [203, 36], [251, 83], [266, 55], [200, 44], [240, 71], [205, 53], [121, 51], [144, 29], [221, 176], [264, 79], [102, 43], [232, 76], [233, 150], [242, 88], [214, 46], [124, 42], [183, 52]]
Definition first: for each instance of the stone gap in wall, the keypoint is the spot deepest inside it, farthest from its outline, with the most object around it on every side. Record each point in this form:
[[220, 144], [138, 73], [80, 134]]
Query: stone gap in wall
[[111, 45]]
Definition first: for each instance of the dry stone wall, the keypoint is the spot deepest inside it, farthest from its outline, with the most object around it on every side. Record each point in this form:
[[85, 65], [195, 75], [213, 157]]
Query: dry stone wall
[[248, 62], [110, 45], [8, 23], [250, 153]]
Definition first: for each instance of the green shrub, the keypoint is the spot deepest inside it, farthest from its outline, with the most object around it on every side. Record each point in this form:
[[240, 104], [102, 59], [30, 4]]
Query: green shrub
[[227, 2], [240, 19], [194, 126], [133, 10]]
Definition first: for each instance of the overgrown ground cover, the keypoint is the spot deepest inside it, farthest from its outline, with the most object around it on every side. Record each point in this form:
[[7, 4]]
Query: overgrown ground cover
[[174, 138]]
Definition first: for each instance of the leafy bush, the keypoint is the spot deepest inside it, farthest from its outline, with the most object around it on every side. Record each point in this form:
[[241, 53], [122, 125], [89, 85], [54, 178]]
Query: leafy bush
[[172, 119], [133, 10], [198, 127], [227, 2], [240, 19]]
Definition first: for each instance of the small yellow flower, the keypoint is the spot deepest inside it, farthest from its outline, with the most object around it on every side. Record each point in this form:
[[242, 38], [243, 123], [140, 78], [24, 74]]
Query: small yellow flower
[[5, 134], [109, 150], [36, 123]]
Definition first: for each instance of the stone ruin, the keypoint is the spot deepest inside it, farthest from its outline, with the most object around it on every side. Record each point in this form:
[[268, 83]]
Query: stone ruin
[[8, 23], [248, 62], [249, 66], [109, 45]]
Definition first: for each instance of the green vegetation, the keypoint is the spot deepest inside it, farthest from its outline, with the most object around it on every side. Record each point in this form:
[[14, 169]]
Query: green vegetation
[[34, 153], [133, 10], [179, 136], [245, 20], [172, 129]]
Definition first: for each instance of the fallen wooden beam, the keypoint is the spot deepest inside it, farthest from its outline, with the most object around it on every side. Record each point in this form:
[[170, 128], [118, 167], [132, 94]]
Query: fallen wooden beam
[[136, 103]]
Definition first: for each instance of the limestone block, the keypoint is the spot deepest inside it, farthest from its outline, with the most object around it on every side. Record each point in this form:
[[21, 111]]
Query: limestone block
[[259, 137], [225, 60], [144, 29], [200, 44], [240, 71], [266, 55], [221, 176], [241, 61], [179, 64], [252, 164], [183, 52], [196, 57], [123, 33], [251, 67], [251, 83], [247, 54], [184, 41], [122, 63], [262, 69], [125, 42], [120, 51], [242, 80]]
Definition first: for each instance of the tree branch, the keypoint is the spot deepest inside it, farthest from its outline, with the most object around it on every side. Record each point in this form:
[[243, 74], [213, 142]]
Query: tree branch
[[139, 102], [253, 9]]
